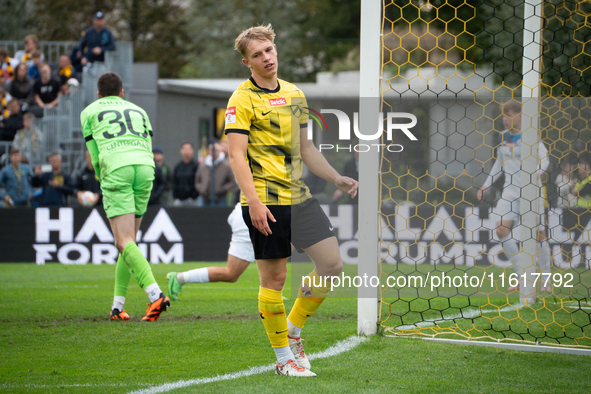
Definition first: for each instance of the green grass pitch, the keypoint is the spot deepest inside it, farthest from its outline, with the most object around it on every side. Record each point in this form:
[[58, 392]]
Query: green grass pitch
[[55, 337]]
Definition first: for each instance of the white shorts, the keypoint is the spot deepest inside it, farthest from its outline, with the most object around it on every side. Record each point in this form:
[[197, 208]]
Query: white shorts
[[240, 245], [507, 210]]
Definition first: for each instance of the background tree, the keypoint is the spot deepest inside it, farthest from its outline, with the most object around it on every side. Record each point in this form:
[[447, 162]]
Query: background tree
[[158, 31], [14, 19], [310, 35], [195, 38]]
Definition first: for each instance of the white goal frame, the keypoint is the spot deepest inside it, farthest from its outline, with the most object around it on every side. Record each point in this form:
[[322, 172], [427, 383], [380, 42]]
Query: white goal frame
[[369, 181]]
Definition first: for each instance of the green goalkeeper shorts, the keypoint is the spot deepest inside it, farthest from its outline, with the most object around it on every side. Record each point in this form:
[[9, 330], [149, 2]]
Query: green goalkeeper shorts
[[127, 190]]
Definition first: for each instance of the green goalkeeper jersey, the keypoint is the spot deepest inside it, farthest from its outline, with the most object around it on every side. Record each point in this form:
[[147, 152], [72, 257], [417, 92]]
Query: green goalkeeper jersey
[[122, 133]]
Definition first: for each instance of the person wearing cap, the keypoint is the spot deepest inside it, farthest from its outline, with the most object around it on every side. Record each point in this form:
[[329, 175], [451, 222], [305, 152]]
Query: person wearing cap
[[96, 40], [16, 179]]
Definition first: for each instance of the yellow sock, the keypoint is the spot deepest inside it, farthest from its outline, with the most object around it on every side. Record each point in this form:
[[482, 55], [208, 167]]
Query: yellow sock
[[272, 313], [309, 300]]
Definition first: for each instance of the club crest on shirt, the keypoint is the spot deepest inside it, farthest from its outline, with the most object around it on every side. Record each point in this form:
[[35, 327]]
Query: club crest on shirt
[[296, 110]]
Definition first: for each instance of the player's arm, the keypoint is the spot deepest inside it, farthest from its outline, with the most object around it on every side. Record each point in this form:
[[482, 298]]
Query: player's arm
[[544, 160], [494, 174], [237, 147], [110, 45], [90, 143], [317, 163], [39, 101], [83, 43]]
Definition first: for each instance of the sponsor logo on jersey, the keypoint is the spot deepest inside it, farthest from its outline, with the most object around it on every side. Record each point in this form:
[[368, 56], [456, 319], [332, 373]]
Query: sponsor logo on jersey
[[231, 115], [510, 139], [277, 101]]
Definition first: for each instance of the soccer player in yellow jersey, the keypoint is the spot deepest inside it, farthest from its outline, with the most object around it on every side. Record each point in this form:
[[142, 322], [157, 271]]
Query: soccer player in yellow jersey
[[266, 125]]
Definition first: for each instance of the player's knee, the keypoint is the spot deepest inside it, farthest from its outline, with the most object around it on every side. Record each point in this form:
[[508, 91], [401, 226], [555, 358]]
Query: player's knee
[[278, 280], [120, 244], [337, 268], [232, 276], [332, 268]]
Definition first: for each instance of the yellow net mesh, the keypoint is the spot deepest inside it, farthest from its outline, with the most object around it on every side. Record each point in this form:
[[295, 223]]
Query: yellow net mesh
[[454, 64]]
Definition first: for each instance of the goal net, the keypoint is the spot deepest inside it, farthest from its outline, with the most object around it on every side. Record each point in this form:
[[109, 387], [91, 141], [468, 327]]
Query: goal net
[[500, 93]]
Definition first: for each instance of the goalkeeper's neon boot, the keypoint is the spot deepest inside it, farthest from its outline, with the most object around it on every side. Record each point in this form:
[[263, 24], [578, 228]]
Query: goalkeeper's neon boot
[[156, 308], [291, 368], [295, 344], [119, 315], [174, 287]]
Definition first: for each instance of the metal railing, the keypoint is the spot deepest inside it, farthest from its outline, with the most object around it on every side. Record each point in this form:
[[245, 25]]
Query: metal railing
[[51, 49]]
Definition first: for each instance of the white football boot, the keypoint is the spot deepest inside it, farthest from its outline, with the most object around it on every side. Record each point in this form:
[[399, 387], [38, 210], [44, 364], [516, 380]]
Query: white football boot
[[291, 368], [295, 344]]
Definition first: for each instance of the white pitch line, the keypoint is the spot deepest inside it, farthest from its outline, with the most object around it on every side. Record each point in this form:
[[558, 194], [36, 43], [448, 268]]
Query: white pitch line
[[338, 348], [465, 315]]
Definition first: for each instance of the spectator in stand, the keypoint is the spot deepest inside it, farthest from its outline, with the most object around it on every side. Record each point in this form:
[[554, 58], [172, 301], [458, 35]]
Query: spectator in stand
[[71, 85], [3, 104], [56, 184], [46, 89], [183, 180], [65, 70], [565, 181], [26, 55], [9, 126], [34, 74], [29, 140], [317, 186], [76, 59], [87, 181], [21, 87], [7, 64], [158, 185], [159, 159], [16, 179], [97, 40], [582, 189], [224, 179]]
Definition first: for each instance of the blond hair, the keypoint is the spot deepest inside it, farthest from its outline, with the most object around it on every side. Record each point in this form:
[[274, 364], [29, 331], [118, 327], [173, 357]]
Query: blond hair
[[32, 37], [29, 115], [259, 33]]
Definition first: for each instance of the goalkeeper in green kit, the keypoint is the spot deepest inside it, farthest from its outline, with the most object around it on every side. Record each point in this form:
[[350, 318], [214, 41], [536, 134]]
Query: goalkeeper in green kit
[[118, 135]]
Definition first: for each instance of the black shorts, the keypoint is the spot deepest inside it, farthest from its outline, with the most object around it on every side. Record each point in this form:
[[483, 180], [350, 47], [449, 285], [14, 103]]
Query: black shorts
[[309, 226]]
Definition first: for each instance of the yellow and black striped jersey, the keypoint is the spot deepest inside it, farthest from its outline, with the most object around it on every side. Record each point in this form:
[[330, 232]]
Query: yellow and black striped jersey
[[272, 120]]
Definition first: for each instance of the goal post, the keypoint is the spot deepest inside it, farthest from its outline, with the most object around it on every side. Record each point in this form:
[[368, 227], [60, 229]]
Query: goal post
[[369, 183], [433, 212], [530, 121]]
